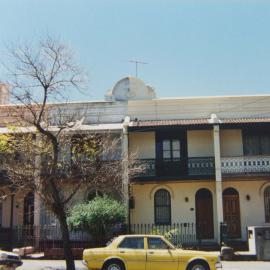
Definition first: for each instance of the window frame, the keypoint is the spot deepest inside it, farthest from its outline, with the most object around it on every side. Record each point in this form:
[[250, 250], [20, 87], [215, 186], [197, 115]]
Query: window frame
[[161, 239], [168, 206], [171, 149], [131, 237], [259, 135]]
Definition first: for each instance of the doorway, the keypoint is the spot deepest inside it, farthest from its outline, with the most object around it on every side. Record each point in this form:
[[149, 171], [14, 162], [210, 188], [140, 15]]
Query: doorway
[[28, 209], [231, 212], [204, 214]]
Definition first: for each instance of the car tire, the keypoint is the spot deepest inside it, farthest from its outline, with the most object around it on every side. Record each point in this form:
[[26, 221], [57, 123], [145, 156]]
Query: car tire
[[113, 265], [199, 265]]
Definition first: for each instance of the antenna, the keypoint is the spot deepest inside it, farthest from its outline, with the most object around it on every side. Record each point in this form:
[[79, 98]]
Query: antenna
[[136, 62]]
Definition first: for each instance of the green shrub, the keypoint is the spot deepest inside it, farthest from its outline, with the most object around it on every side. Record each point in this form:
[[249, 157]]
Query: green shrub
[[97, 216]]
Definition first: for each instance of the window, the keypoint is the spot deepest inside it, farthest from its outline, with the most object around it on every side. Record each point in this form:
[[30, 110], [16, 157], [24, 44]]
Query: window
[[171, 149], [132, 242], [162, 206], [267, 204], [157, 243], [256, 143]]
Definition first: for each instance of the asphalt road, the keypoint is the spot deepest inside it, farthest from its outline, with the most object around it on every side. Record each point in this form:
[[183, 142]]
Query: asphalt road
[[60, 265]]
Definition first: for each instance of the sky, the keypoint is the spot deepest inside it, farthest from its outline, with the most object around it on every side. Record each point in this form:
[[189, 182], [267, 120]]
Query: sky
[[192, 47]]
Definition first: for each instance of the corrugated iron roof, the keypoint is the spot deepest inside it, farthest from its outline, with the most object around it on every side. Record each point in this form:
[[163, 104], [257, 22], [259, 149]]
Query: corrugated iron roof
[[202, 121]]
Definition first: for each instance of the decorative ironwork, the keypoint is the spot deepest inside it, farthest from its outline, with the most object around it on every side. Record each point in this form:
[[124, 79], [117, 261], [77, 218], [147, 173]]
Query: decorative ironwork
[[147, 167], [201, 166], [47, 237], [195, 166], [245, 164], [180, 234]]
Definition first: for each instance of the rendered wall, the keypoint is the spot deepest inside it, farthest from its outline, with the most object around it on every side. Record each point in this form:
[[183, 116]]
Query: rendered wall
[[200, 143], [180, 210], [231, 143], [142, 144], [251, 211]]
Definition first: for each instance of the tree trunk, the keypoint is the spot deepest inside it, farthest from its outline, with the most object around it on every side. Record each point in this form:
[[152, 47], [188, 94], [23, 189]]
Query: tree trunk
[[66, 243]]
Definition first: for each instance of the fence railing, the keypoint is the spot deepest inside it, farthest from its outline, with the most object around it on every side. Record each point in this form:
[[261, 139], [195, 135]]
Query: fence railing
[[191, 166], [245, 164], [180, 234], [47, 236]]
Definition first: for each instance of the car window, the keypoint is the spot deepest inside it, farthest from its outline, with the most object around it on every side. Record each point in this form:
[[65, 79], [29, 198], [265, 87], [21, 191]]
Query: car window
[[132, 242], [157, 243]]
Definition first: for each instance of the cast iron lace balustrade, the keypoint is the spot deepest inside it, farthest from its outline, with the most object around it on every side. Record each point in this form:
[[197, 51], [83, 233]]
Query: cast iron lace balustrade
[[245, 164], [195, 166], [201, 166]]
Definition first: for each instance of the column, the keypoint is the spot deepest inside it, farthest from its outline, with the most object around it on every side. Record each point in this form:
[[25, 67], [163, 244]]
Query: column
[[125, 180], [218, 182]]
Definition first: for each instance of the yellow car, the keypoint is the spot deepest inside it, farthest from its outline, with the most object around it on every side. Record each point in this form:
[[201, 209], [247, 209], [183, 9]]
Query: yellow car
[[147, 252]]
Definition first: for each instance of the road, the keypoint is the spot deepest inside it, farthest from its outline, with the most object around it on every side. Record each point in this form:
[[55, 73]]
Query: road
[[60, 265]]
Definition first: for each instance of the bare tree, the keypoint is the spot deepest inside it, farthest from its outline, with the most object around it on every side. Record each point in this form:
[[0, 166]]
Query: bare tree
[[38, 156]]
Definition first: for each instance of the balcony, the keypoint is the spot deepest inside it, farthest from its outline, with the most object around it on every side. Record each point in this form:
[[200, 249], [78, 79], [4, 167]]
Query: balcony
[[188, 167], [245, 165]]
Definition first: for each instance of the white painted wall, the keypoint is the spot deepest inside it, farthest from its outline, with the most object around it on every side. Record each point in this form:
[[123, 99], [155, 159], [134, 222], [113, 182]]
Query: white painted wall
[[200, 143]]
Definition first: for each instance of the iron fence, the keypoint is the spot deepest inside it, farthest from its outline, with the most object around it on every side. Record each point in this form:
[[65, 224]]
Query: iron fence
[[48, 236], [180, 234]]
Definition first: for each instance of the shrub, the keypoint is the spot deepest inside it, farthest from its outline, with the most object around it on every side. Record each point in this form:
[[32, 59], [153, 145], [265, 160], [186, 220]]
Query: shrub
[[97, 216]]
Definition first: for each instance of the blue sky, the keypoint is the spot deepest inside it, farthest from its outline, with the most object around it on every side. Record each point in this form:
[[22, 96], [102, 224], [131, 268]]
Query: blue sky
[[193, 47]]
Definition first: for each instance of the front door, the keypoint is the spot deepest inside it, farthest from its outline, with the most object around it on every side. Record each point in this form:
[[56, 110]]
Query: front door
[[160, 255], [204, 214], [28, 211], [231, 212]]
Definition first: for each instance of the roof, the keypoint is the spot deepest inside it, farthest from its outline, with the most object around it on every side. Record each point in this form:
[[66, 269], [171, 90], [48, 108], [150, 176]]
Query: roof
[[94, 127], [202, 121]]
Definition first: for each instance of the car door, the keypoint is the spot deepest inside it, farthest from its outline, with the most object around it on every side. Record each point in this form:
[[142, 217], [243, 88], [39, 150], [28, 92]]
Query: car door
[[132, 251], [160, 255]]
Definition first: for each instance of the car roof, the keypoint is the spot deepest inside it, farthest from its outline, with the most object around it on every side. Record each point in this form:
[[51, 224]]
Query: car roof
[[140, 235]]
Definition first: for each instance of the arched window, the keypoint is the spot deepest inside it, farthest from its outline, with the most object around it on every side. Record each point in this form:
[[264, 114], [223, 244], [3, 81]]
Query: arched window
[[162, 201], [267, 204]]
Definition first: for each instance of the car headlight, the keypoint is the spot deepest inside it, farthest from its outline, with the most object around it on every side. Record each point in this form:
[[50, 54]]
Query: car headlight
[[3, 256]]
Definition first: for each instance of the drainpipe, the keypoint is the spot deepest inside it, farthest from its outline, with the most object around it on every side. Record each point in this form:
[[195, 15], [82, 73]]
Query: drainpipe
[[125, 180]]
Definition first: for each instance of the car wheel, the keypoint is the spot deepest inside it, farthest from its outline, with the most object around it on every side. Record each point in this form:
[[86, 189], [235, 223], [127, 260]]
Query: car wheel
[[113, 266], [198, 266]]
